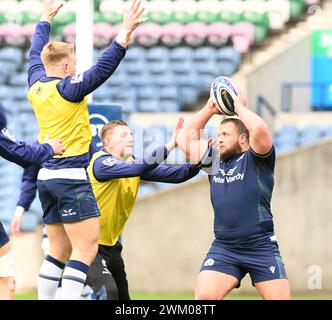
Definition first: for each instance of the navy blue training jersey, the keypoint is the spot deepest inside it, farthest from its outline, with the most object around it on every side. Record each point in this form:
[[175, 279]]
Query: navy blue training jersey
[[21, 153], [108, 167], [241, 195]]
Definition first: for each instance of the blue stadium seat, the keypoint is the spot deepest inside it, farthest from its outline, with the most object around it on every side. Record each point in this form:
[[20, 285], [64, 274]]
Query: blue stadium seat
[[148, 99], [8, 68], [170, 106], [162, 79], [285, 146], [182, 67], [19, 80], [170, 99], [207, 68], [229, 54], [205, 54], [181, 54], [29, 126], [135, 67], [140, 79], [102, 94], [169, 93], [287, 138], [310, 134], [161, 67], [157, 54], [7, 92], [205, 80], [289, 129], [118, 78], [14, 125], [8, 104], [327, 132], [23, 106], [11, 54], [149, 105], [126, 97], [20, 92], [188, 94], [3, 77], [191, 79], [135, 54]]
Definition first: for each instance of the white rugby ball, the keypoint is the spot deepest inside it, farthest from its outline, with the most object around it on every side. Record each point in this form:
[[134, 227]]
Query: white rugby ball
[[223, 92]]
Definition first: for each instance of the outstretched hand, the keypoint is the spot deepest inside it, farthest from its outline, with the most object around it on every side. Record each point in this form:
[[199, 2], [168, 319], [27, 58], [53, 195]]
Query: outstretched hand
[[50, 9], [132, 16], [172, 144], [131, 20]]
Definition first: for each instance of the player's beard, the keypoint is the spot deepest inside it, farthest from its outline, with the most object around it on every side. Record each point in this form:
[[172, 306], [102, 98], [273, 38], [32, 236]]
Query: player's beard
[[230, 151]]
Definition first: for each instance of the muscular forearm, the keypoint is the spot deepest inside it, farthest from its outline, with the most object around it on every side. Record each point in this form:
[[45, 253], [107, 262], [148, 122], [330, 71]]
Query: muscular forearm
[[251, 120], [189, 139], [259, 137]]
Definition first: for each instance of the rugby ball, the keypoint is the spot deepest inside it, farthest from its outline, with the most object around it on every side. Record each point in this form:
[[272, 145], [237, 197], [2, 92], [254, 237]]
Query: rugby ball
[[223, 92]]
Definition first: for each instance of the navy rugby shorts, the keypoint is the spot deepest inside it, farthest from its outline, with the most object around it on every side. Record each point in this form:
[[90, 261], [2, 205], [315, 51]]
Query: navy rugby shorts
[[67, 200], [263, 262]]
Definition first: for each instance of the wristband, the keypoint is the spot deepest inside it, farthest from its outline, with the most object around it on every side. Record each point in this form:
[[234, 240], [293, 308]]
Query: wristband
[[123, 37]]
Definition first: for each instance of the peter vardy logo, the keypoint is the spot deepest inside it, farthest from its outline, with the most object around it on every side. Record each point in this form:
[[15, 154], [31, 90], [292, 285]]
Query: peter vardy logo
[[221, 180], [68, 212]]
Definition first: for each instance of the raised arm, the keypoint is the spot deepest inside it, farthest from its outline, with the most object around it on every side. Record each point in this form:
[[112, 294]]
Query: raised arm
[[40, 38], [76, 88], [260, 139], [189, 139], [107, 167]]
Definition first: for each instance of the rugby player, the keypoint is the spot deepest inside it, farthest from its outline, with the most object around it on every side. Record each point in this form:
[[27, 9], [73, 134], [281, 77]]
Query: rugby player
[[23, 155], [59, 99], [241, 185], [115, 177]]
